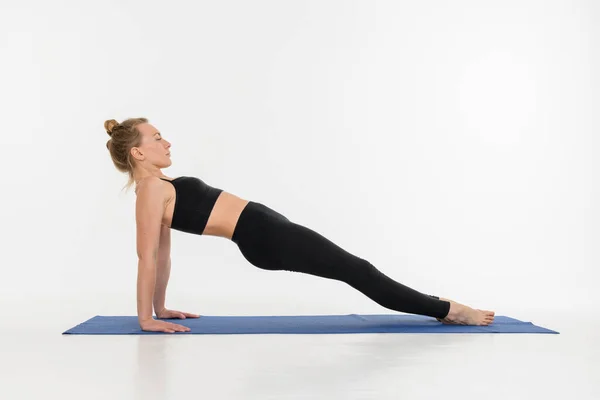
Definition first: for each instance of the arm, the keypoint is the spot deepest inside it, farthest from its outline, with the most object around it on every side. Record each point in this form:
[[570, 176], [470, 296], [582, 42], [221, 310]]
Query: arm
[[149, 213], [163, 269]]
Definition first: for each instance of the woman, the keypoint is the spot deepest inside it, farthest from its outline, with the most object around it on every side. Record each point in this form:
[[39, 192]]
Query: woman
[[267, 239]]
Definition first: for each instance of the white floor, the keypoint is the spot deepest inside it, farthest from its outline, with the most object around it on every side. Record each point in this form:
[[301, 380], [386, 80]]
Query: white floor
[[40, 363]]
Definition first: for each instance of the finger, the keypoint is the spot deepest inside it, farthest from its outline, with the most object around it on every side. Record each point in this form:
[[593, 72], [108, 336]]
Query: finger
[[180, 328], [177, 314], [191, 315]]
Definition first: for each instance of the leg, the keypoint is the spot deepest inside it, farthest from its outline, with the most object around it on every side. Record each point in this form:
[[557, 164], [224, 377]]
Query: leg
[[301, 249], [304, 250], [270, 241]]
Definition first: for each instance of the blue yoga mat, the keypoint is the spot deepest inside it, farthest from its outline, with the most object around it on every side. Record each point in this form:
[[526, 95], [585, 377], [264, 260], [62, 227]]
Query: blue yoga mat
[[303, 324]]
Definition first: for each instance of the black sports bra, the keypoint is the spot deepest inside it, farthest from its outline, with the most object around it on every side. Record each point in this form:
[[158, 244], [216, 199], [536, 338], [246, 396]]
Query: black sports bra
[[194, 201]]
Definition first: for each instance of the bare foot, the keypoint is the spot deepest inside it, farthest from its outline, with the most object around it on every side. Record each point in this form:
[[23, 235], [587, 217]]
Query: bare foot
[[464, 315]]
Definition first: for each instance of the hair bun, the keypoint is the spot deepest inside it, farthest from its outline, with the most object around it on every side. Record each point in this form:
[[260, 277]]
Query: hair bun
[[109, 125]]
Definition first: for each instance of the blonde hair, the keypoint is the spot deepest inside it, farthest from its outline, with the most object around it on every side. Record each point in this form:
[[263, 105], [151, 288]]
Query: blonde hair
[[123, 137]]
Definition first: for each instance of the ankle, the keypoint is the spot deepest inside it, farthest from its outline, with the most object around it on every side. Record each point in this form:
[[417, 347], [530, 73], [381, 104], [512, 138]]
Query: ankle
[[453, 309]]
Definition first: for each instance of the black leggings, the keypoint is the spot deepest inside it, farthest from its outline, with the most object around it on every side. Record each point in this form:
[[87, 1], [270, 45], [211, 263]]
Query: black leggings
[[268, 240]]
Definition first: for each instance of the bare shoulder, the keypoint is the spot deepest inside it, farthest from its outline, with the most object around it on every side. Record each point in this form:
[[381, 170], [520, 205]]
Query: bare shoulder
[[149, 188]]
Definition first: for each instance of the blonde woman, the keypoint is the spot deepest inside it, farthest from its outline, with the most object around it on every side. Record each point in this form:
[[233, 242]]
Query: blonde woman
[[266, 238]]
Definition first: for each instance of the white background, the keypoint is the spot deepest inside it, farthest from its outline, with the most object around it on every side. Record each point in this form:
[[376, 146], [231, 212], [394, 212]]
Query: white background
[[452, 144]]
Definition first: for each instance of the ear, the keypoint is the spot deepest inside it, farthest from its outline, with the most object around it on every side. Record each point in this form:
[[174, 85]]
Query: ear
[[137, 154]]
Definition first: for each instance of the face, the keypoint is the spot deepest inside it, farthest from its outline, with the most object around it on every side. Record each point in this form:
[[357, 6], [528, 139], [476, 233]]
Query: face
[[154, 149]]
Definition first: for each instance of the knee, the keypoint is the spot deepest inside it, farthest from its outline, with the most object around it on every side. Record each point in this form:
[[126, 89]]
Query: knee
[[361, 271]]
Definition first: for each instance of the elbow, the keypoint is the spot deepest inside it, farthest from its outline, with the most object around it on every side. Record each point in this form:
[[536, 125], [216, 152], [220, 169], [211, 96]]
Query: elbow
[[148, 256], [147, 262]]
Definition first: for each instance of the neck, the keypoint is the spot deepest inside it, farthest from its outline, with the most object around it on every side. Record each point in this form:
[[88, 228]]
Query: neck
[[141, 174]]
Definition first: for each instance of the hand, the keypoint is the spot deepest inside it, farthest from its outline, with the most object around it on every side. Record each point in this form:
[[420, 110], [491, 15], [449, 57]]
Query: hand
[[166, 314], [162, 326]]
